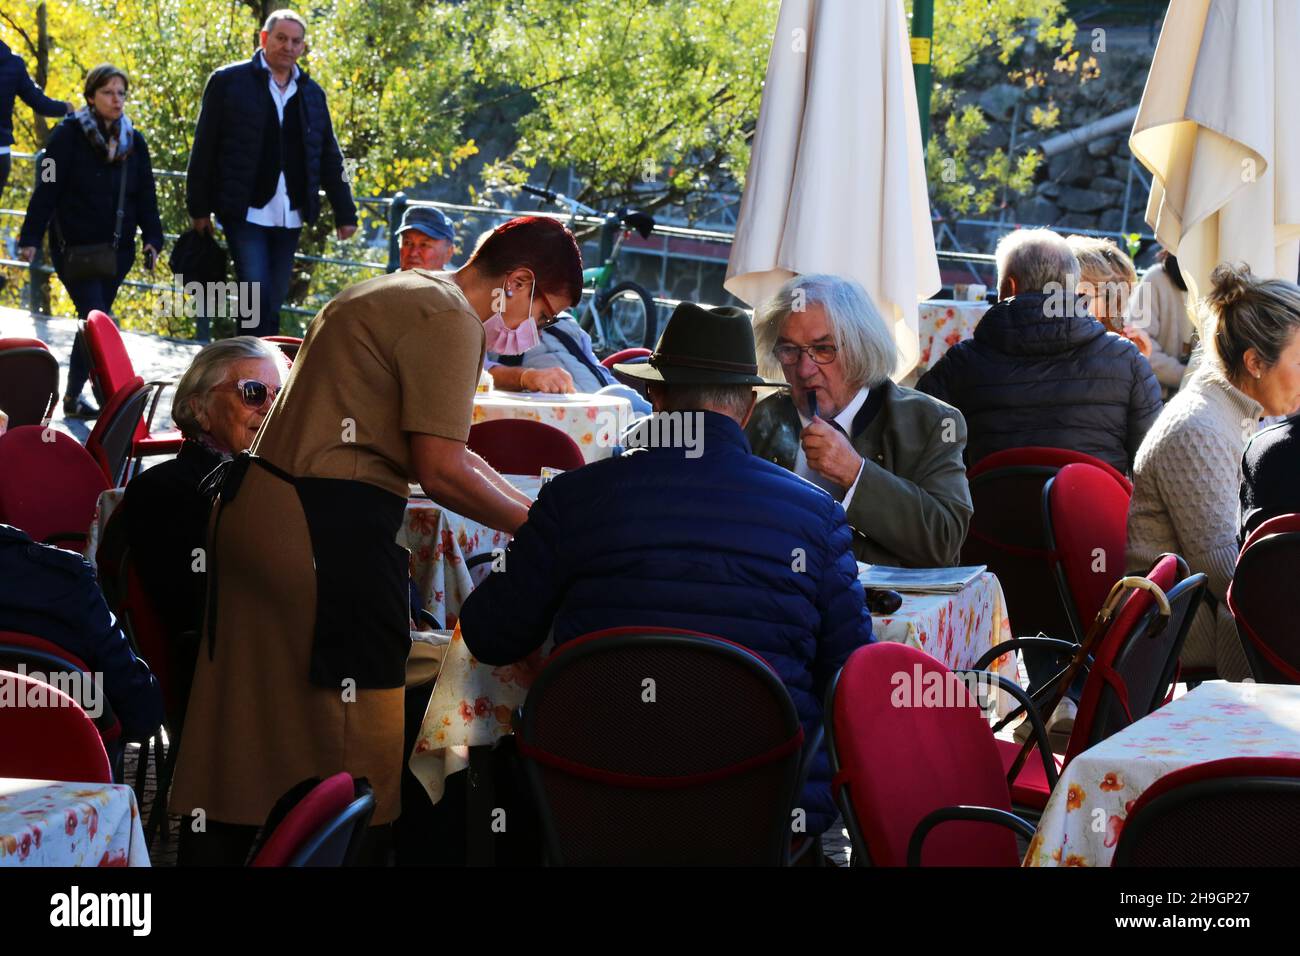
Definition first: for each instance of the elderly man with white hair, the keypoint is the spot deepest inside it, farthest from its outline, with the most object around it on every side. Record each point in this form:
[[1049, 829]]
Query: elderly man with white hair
[[1041, 371], [890, 455]]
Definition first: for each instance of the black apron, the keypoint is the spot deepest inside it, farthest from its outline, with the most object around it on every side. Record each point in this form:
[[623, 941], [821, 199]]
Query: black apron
[[362, 598]]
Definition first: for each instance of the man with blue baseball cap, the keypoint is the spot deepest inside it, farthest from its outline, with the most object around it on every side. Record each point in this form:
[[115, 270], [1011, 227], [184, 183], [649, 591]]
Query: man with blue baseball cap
[[428, 239]]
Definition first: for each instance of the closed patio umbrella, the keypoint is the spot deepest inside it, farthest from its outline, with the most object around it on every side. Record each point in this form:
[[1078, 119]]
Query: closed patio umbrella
[[1219, 131], [836, 179]]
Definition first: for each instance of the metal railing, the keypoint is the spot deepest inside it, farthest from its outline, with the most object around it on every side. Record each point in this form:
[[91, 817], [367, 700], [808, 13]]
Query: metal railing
[[392, 208]]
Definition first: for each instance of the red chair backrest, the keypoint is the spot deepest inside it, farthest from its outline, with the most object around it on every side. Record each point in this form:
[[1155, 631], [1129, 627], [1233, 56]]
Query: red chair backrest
[[53, 740], [110, 362], [120, 423], [1041, 455], [1086, 517], [1239, 811], [29, 381], [616, 780], [326, 801], [1265, 602], [288, 344], [148, 631], [521, 446], [48, 488], [41, 656], [900, 757], [626, 355], [1129, 624]]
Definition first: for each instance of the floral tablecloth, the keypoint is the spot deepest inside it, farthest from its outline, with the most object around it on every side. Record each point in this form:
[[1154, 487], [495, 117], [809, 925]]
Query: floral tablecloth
[[955, 628], [440, 541], [595, 422], [472, 703], [1085, 815], [49, 823], [942, 324]]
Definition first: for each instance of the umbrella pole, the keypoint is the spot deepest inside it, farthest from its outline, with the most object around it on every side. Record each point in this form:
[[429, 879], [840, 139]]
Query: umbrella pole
[[922, 40]]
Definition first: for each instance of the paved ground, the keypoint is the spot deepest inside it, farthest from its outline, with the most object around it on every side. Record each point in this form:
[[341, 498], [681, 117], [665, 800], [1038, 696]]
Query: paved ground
[[154, 358]]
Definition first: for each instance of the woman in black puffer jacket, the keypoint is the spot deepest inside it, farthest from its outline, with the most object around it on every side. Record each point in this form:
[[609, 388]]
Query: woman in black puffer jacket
[[1041, 371]]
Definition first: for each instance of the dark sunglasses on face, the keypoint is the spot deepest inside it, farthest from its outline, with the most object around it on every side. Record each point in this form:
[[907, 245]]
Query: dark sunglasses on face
[[253, 393]]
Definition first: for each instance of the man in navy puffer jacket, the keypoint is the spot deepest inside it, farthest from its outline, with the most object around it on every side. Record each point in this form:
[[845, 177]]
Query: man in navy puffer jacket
[[704, 536], [1041, 370]]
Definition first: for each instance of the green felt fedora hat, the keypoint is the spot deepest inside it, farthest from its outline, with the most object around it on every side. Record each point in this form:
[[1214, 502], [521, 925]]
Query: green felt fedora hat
[[700, 346]]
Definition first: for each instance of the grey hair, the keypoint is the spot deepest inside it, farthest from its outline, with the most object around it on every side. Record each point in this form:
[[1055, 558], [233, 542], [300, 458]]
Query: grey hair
[[1245, 313], [208, 370], [730, 400], [1037, 259], [277, 15], [866, 346]]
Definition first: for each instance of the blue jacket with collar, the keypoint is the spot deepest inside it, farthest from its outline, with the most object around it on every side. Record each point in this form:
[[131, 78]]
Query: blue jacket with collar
[[52, 594], [657, 538]]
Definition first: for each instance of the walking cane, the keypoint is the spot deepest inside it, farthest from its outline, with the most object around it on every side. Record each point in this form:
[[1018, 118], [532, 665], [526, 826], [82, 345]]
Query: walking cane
[[1100, 625]]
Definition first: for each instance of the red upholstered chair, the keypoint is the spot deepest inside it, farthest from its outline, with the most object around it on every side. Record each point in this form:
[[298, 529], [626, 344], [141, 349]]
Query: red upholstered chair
[[111, 368], [1007, 532], [1085, 518], [1133, 667], [626, 355], [324, 828], [288, 344], [52, 742], [618, 780], [29, 381], [1043, 457], [918, 779], [113, 440], [39, 656], [1264, 600], [520, 446], [1239, 812], [48, 488]]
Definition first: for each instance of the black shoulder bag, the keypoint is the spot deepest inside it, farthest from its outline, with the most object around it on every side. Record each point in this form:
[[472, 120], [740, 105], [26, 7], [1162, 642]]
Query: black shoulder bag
[[96, 260]]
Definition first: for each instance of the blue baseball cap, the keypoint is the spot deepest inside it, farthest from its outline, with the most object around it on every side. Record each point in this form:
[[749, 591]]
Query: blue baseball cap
[[429, 221]]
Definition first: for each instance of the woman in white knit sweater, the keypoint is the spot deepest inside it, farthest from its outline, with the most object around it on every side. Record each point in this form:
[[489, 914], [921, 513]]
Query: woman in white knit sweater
[[1187, 474]]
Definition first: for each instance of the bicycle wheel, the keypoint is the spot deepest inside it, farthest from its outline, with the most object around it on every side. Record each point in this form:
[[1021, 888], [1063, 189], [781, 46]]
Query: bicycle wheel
[[629, 317]]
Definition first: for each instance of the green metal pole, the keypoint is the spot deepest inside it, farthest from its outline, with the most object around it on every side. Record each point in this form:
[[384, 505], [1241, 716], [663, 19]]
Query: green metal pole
[[922, 42]]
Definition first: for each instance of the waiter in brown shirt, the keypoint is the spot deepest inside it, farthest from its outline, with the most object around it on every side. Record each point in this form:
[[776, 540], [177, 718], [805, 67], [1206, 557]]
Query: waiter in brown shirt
[[302, 667]]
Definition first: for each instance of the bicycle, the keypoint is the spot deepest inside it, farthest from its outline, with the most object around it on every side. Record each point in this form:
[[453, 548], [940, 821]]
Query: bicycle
[[617, 315]]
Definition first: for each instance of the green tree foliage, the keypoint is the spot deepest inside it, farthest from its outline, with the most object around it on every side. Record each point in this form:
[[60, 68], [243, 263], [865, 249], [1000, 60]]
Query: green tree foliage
[[647, 101], [1029, 46]]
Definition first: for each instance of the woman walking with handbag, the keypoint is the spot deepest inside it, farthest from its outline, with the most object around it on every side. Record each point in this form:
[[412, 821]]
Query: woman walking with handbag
[[96, 186]]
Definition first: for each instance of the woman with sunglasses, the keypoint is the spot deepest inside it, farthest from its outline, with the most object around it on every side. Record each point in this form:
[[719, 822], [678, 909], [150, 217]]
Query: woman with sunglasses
[[301, 670], [219, 405]]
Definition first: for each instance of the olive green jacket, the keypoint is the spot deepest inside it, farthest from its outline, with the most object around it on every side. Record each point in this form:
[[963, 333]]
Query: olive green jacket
[[912, 504]]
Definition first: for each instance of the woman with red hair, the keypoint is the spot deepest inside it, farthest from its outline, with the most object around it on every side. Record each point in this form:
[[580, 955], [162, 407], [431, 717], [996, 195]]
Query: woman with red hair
[[301, 672]]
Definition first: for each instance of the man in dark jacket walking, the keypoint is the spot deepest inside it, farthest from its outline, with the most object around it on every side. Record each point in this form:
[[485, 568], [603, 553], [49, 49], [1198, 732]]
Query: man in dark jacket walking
[[1040, 370], [263, 148], [695, 532], [52, 594], [14, 82]]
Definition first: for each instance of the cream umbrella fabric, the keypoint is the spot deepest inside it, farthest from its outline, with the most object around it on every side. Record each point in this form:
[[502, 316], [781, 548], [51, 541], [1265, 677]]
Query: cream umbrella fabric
[[1219, 131], [836, 178]]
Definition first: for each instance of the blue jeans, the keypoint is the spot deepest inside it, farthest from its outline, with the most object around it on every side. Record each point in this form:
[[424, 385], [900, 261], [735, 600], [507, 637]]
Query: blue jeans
[[262, 254], [88, 295]]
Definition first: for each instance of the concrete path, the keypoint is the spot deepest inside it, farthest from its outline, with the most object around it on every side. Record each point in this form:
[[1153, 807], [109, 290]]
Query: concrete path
[[155, 358]]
